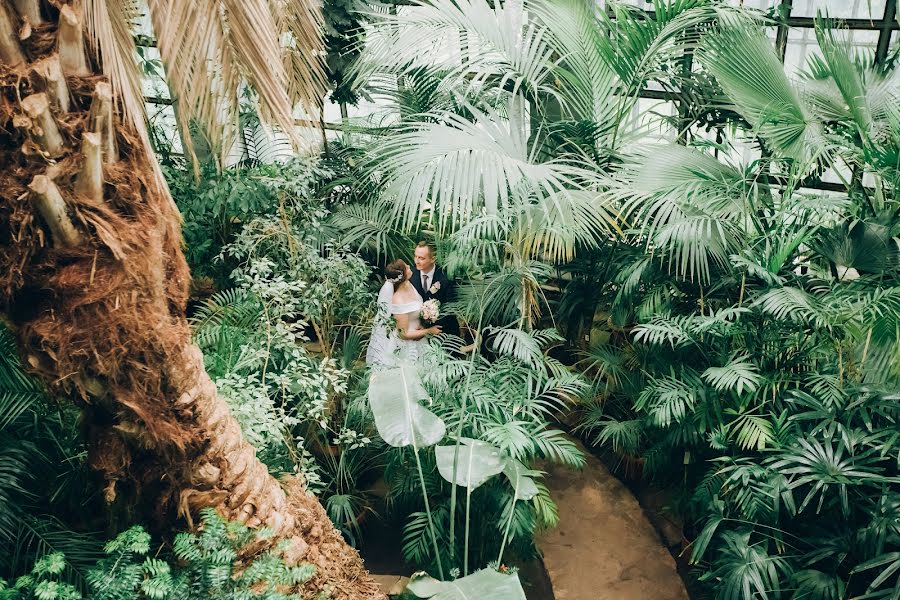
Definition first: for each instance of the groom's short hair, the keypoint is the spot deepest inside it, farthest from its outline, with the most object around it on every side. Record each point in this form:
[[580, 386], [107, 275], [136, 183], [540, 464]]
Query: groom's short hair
[[431, 249]]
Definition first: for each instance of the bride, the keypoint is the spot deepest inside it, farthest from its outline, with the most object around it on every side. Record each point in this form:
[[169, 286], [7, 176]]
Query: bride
[[399, 298]]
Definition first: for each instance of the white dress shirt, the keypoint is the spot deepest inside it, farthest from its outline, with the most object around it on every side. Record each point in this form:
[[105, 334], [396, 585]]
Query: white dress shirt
[[429, 275]]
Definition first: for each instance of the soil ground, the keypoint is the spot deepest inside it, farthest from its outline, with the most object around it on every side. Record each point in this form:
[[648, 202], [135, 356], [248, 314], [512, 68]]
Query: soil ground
[[604, 547]]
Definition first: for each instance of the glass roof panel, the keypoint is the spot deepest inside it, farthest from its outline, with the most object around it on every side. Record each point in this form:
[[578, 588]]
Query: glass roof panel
[[802, 43], [839, 9], [763, 5]]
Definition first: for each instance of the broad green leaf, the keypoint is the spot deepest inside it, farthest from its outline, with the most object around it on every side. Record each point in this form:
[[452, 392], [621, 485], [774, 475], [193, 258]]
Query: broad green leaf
[[401, 421], [520, 479], [478, 462], [480, 585]]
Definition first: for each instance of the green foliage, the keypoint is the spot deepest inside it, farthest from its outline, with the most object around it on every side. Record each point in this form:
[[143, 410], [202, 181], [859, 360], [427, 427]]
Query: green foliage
[[760, 364], [44, 485], [283, 352], [219, 204], [203, 565], [499, 407], [343, 44]]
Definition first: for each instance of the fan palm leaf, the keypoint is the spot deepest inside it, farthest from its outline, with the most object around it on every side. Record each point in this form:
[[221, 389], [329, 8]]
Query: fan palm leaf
[[752, 76], [504, 45], [210, 48], [587, 81], [452, 170], [685, 203], [369, 227]]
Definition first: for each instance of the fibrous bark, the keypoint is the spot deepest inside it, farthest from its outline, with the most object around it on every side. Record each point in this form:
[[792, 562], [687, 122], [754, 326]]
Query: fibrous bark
[[29, 10], [52, 207], [100, 316], [71, 43], [10, 50]]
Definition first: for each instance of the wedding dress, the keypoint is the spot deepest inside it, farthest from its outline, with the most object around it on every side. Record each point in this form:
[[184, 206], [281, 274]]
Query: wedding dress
[[382, 343], [408, 349], [385, 346]]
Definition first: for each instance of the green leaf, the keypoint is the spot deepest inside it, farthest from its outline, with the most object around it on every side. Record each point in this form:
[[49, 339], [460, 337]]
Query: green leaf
[[738, 375], [400, 419], [477, 462], [519, 478], [750, 72], [486, 583]]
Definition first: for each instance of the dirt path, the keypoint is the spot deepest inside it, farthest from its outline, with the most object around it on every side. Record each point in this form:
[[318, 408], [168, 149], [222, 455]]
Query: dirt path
[[604, 547]]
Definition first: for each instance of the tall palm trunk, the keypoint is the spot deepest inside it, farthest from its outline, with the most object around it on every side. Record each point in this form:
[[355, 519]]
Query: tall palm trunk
[[93, 279]]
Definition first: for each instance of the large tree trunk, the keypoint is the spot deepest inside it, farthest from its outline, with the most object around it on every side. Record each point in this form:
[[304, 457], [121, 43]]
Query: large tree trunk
[[93, 279]]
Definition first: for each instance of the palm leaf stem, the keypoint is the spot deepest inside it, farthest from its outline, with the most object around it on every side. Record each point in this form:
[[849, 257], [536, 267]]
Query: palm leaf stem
[[415, 445]]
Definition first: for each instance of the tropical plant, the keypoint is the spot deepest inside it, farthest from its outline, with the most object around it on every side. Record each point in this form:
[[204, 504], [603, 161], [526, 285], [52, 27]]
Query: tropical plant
[[495, 412], [43, 473], [291, 402], [761, 362], [216, 207], [202, 566], [103, 312]]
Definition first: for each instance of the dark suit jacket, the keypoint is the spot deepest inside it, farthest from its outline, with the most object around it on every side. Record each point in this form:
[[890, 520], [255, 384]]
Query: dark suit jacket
[[443, 295]]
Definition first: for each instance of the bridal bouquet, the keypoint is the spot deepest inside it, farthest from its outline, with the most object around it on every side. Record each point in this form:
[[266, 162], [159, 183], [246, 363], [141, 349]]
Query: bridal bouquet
[[431, 310]]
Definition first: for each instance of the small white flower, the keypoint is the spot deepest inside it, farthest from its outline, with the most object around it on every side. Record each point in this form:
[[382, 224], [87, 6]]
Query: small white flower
[[434, 288], [431, 310]]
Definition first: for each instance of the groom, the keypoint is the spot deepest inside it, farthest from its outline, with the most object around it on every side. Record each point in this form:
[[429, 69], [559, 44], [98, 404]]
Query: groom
[[431, 282]]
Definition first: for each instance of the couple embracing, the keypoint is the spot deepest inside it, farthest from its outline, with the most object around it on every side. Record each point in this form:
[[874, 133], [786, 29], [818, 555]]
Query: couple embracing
[[414, 297]]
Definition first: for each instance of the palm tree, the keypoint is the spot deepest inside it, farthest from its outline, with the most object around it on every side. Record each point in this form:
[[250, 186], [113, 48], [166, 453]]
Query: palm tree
[[94, 282], [502, 147], [764, 353]]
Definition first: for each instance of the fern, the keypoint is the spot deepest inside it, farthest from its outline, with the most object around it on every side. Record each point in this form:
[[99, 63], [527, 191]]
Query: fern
[[227, 312]]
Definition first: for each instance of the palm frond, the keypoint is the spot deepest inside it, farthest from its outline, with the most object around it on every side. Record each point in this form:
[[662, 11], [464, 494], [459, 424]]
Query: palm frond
[[668, 400], [557, 446], [226, 313], [501, 297], [299, 25], [503, 44], [209, 46], [576, 37], [453, 170], [739, 375], [524, 346], [369, 227], [685, 202], [624, 436], [745, 64], [791, 303], [745, 569]]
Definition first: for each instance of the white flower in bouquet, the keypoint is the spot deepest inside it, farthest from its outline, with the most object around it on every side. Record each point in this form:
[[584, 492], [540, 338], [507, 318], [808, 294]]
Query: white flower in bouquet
[[431, 310]]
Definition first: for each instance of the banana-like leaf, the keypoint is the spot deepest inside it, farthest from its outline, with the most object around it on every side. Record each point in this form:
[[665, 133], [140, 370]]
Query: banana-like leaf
[[478, 462], [520, 478], [486, 583], [394, 396]]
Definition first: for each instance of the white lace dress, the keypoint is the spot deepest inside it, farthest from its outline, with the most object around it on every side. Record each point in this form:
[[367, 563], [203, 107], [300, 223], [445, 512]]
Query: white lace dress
[[410, 349]]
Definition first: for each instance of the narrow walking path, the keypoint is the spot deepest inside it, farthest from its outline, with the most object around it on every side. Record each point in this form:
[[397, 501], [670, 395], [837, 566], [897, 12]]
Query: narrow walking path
[[604, 547]]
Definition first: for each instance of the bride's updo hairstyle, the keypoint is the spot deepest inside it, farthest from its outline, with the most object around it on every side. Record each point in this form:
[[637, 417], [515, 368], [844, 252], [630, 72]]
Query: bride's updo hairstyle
[[395, 272]]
